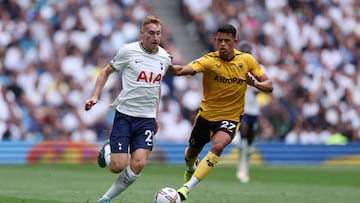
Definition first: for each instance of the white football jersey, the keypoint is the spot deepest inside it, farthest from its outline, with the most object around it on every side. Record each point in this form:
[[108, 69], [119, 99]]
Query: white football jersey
[[142, 73], [252, 106]]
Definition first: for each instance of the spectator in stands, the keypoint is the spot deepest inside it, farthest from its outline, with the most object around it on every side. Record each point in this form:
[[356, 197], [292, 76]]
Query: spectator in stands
[[336, 137]]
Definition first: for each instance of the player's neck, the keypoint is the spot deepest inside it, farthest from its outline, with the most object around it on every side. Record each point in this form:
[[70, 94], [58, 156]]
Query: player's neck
[[147, 50], [227, 57]]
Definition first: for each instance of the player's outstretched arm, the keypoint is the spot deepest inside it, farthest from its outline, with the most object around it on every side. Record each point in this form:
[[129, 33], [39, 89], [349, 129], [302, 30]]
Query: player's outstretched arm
[[263, 83], [181, 70], [99, 85]]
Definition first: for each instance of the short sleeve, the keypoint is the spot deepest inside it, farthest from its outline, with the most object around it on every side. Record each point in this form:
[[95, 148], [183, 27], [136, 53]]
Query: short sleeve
[[254, 67], [199, 64], [119, 61]]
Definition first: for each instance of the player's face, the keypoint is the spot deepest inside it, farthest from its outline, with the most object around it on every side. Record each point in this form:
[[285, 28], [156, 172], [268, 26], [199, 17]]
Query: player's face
[[150, 36], [225, 44]]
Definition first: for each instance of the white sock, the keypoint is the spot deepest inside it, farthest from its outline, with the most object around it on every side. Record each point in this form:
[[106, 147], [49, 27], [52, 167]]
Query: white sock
[[125, 179], [244, 156], [107, 155], [191, 183]]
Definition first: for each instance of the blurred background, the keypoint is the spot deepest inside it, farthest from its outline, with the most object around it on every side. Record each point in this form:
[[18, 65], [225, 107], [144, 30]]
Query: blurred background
[[51, 52]]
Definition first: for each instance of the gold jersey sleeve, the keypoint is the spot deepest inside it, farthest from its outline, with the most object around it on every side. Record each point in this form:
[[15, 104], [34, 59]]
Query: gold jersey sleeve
[[224, 84]]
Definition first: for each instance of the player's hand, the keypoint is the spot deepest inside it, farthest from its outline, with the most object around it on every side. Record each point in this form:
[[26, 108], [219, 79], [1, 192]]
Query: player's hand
[[170, 55], [250, 80], [156, 126], [90, 103]]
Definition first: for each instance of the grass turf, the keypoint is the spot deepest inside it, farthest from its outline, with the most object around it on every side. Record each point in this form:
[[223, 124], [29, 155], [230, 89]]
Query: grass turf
[[269, 184]]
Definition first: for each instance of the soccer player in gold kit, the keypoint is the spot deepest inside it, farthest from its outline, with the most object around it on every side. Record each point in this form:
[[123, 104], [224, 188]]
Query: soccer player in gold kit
[[226, 74]]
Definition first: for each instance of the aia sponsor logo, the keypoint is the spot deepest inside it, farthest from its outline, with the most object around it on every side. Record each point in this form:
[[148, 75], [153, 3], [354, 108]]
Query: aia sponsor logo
[[149, 77]]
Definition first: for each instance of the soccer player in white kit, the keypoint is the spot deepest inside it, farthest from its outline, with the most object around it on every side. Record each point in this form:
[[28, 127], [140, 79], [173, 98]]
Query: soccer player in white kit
[[249, 124], [143, 65]]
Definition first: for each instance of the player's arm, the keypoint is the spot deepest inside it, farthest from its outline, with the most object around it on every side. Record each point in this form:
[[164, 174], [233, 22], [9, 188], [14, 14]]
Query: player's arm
[[181, 70], [99, 85], [257, 77], [263, 83], [157, 124]]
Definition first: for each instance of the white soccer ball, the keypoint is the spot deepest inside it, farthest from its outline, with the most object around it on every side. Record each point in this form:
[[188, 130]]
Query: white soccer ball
[[167, 195]]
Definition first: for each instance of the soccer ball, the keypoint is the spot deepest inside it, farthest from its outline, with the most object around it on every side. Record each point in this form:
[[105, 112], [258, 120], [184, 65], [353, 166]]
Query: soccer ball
[[167, 195]]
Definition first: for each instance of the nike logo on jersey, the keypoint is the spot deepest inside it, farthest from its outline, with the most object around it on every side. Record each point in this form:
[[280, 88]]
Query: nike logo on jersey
[[138, 61]]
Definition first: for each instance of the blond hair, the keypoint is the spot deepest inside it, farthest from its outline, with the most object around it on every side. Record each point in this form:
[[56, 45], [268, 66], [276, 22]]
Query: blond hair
[[151, 19]]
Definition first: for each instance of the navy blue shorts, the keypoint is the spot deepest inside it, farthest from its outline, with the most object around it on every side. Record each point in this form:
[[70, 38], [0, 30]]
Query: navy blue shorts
[[250, 119], [131, 133], [249, 125]]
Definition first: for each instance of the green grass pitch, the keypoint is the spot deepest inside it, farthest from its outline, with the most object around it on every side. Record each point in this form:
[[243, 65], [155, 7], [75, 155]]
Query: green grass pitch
[[269, 184]]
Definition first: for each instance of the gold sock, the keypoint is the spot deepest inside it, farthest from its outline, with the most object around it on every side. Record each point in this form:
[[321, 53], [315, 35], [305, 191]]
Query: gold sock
[[189, 162], [206, 165]]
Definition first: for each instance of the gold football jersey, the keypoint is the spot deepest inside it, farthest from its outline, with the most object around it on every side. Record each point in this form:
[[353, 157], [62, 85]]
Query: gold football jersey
[[224, 84]]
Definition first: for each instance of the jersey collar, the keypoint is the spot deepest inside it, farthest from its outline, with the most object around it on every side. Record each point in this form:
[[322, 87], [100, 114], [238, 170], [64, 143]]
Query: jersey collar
[[147, 51]]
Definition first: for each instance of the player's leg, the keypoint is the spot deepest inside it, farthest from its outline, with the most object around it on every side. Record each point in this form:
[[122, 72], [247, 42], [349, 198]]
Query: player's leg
[[242, 167], [222, 137], [191, 161], [119, 158], [247, 132], [219, 141], [104, 155], [130, 174], [200, 135], [141, 143], [118, 186]]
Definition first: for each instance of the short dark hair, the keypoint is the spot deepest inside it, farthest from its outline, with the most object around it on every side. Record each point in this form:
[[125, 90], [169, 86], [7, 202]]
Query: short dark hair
[[228, 29]]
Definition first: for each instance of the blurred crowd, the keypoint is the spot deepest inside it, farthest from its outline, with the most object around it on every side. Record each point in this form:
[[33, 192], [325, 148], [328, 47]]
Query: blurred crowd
[[51, 52]]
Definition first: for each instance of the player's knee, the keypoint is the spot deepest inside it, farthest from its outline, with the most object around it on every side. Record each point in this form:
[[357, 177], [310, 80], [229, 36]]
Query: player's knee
[[117, 167], [137, 165], [217, 148]]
